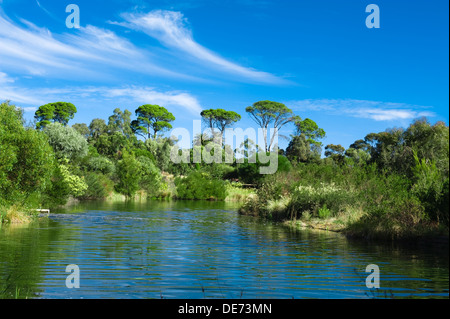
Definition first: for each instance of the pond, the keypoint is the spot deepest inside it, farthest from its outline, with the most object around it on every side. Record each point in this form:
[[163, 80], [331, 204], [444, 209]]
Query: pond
[[188, 249]]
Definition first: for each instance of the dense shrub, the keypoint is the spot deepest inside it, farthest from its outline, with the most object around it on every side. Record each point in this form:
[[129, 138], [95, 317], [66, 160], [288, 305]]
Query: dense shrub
[[100, 164], [26, 158], [99, 186], [128, 173], [309, 198], [150, 177], [66, 141], [200, 186]]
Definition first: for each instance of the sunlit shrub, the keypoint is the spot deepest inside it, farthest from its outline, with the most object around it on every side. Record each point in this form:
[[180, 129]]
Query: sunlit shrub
[[199, 185]]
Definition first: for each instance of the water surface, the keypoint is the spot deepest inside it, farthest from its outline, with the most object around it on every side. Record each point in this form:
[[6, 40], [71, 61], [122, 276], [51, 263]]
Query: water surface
[[189, 249]]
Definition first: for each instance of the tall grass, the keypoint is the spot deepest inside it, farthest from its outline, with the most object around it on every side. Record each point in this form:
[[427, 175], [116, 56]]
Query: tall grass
[[15, 215], [360, 201]]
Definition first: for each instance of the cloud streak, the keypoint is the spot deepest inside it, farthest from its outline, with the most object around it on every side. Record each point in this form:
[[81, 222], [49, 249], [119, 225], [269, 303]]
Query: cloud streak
[[88, 52], [183, 101], [375, 110], [95, 53], [170, 29]]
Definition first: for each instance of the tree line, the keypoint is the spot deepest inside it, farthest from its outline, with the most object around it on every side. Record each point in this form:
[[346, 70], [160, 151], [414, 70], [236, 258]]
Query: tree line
[[46, 162]]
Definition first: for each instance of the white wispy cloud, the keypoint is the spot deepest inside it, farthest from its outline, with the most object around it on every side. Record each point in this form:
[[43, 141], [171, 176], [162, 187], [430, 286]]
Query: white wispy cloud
[[148, 95], [88, 52], [375, 110], [183, 101], [4, 78], [95, 53], [170, 29]]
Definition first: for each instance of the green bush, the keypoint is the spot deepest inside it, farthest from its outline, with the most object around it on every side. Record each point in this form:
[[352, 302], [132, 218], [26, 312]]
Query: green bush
[[429, 187], [99, 186], [128, 173], [66, 141], [313, 198], [218, 171], [100, 164], [150, 179], [27, 160], [199, 185]]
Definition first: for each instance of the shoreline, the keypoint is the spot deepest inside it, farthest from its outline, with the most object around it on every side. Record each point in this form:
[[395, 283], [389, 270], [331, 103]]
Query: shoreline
[[326, 225]]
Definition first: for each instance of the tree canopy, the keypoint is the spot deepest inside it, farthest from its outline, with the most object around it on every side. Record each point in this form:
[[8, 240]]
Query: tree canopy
[[265, 113], [60, 112], [151, 117], [219, 119]]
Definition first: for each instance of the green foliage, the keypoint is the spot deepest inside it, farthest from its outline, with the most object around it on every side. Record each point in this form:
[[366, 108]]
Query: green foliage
[[97, 127], [128, 175], [394, 149], [82, 128], [311, 132], [298, 149], [200, 186], [66, 142], [265, 113], [60, 112], [429, 187], [26, 158], [218, 171], [249, 172], [120, 122], [100, 164], [284, 165], [111, 144], [99, 186], [150, 178], [336, 152], [160, 150], [324, 212], [151, 117], [77, 185], [313, 198], [58, 191], [219, 119]]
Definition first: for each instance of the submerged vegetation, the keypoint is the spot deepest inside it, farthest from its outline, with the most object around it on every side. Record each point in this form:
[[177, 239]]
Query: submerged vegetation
[[392, 184]]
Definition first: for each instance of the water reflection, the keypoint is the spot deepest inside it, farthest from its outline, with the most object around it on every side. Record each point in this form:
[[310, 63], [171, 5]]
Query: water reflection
[[202, 250]]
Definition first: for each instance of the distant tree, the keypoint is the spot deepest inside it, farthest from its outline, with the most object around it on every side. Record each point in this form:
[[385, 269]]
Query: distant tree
[[82, 128], [265, 113], [336, 152], [299, 149], [97, 128], [151, 118], [219, 119], [312, 132], [248, 148], [120, 122], [359, 151], [430, 142], [389, 151], [60, 112], [360, 145]]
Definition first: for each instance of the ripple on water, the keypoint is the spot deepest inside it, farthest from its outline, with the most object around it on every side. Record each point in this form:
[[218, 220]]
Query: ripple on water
[[190, 251]]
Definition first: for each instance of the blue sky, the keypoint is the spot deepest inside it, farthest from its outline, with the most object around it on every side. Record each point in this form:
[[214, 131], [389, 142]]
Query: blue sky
[[316, 56]]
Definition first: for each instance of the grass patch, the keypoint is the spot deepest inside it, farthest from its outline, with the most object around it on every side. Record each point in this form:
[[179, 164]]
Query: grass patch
[[236, 193], [15, 215]]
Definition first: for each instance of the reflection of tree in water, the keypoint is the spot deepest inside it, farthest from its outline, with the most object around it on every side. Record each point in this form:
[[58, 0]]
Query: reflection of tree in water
[[23, 251]]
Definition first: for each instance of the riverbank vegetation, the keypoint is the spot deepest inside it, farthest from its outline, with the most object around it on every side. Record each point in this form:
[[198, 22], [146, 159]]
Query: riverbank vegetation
[[391, 184]]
